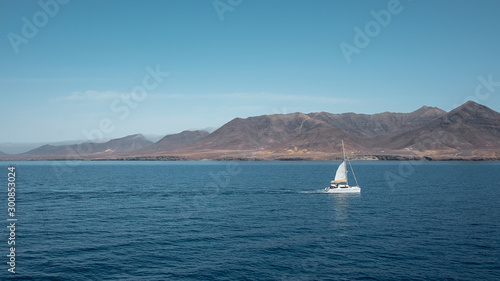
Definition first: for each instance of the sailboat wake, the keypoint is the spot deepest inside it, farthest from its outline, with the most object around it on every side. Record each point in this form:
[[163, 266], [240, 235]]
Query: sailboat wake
[[313, 191]]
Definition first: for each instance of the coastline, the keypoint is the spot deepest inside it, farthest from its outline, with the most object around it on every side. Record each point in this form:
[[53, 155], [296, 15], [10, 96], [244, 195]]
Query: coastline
[[284, 159]]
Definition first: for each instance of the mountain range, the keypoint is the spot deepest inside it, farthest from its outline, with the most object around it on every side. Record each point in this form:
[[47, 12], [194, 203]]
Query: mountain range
[[469, 132]]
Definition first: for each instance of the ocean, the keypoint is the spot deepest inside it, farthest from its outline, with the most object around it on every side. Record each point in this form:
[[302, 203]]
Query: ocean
[[211, 220]]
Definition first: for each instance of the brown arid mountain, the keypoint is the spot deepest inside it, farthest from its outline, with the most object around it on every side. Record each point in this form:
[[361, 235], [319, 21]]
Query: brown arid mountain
[[170, 142], [323, 138], [3, 154], [308, 136], [86, 150], [469, 132], [367, 126], [255, 133], [309, 131], [126, 144]]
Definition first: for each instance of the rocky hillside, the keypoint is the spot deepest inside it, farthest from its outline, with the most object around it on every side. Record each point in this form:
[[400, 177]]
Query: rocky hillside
[[469, 132]]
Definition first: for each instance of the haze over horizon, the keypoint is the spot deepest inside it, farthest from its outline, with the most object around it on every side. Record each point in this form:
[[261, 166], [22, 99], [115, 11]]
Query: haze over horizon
[[191, 65]]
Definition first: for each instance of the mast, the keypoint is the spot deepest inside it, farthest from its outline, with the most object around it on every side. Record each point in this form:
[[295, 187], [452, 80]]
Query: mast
[[343, 152]]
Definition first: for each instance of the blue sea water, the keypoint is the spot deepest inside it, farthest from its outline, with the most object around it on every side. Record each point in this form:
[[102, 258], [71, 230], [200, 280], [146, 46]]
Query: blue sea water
[[253, 221]]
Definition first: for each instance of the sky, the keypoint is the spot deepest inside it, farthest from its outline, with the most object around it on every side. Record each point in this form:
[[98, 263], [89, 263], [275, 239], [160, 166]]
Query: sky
[[78, 70]]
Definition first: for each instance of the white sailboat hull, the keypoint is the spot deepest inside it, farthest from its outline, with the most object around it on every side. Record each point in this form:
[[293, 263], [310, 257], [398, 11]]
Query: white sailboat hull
[[349, 189]]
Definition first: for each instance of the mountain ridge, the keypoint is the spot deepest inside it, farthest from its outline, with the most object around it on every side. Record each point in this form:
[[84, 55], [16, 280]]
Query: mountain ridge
[[465, 127], [468, 132], [85, 149], [366, 125]]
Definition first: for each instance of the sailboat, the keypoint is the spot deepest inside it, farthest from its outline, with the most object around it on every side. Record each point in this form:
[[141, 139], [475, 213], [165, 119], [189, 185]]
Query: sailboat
[[340, 183]]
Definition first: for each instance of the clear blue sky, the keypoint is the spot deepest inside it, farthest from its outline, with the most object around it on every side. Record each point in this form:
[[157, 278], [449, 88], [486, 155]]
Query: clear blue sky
[[263, 57]]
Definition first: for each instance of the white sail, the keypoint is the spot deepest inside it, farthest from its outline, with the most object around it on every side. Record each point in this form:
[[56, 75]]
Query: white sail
[[341, 175]]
